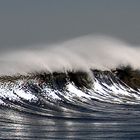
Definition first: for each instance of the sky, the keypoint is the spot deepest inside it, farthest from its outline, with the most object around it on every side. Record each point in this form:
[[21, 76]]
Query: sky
[[27, 22]]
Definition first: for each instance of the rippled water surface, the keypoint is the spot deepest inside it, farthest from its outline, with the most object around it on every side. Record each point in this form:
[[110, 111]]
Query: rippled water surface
[[116, 122]]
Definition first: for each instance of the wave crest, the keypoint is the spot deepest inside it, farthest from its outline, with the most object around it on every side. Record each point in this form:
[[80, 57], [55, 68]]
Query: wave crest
[[41, 88]]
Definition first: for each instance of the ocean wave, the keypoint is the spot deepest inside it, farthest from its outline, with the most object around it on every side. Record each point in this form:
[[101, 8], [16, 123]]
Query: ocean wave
[[71, 79], [49, 94]]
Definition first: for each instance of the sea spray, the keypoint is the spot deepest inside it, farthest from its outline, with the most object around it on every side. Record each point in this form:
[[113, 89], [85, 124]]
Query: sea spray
[[83, 53]]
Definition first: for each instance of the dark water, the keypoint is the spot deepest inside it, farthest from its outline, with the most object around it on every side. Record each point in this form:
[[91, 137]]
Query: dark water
[[110, 121]]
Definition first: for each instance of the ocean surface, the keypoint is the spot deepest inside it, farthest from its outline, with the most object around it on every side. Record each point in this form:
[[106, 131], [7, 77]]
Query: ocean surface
[[73, 105]]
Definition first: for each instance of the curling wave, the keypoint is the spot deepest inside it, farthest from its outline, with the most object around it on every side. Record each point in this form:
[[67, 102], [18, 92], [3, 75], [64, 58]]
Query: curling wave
[[54, 92], [51, 93]]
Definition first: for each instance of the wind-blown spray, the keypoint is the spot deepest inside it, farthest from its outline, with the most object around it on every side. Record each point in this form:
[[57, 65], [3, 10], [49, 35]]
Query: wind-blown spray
[[83, 53]]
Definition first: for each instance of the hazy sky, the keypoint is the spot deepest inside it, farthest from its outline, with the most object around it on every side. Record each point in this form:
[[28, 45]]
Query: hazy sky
[[26, 22]]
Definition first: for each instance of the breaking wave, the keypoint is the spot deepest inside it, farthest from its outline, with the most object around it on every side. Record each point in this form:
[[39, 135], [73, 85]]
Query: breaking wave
[[70, 76], [48, 94], [54, 91]]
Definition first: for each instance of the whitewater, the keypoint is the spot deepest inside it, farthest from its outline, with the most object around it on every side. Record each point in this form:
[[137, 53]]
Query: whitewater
[[83, 88]]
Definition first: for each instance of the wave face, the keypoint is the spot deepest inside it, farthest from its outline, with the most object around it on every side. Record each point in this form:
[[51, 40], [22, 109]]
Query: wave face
[[65, 90], [51, 105]]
